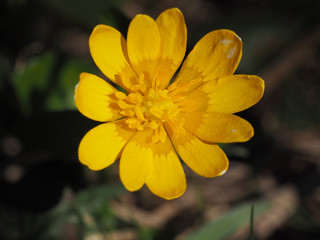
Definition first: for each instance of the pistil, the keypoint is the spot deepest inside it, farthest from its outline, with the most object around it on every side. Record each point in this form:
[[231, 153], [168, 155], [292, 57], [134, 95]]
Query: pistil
[[152, 108]]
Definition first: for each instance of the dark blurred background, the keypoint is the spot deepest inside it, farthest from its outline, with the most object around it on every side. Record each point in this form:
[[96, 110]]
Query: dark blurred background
[[45, 193]]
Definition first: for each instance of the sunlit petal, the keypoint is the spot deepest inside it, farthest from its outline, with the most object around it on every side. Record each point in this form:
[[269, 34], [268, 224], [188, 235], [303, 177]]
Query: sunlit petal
[[155, 164], [108, 49], [136, 161], [167, 178], [144, 46], [217, 54], [101, 146], [229, 94], [218, 127], [206, 159], [173, 33], [93, 98]]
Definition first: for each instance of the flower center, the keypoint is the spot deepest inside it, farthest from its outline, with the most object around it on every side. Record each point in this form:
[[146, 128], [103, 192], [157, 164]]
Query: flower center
[[151, 108], [158, 105]]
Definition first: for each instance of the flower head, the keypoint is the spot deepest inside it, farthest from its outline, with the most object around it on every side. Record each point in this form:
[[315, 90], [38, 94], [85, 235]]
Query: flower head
[[155, 121]]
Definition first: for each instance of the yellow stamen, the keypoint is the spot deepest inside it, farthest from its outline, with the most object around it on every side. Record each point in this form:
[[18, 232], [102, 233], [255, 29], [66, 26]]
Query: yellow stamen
[[155, 136], [141, 86], [123, 105], [162, 133], [139, 112], [134, 123], [153, 107], [127, 112], [153, 124], [135, 97], [120, 95], [156, 112]]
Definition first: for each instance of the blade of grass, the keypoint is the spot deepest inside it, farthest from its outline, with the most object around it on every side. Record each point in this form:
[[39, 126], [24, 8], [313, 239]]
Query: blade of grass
[[227, 224], [251, 221]]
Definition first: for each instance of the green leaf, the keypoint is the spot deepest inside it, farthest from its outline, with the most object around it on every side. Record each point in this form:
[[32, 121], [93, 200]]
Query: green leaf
[[43, 85], [61, 95], [94, 210], [224, 226], [88, 212], [97, 195], [33, 79]]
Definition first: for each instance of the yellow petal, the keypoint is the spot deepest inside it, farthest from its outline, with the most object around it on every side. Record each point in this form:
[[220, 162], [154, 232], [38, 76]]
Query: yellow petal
[[217, 54], [101, 146], [109, 51], [144, 46], [136, 161], [155, 164], [167, 178], [218, 127], [173, 33], [206, 159], [229, 94], [93, 98]]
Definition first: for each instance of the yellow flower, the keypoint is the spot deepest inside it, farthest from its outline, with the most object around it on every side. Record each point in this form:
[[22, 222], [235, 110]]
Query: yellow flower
[[156, 121]]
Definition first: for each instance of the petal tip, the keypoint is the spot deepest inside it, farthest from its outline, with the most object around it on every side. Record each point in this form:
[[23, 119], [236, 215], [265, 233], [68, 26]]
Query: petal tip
[[262, 84], [249, 134], [171, 196], [132, 188], [142, 16], [174, 196], [223, 172], [174, 9]]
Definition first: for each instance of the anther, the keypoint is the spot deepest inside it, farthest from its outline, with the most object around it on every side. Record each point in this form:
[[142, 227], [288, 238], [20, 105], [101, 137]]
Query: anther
[[139, 112], [123, 105], [156, 112], [127, 112], [120, 95]]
